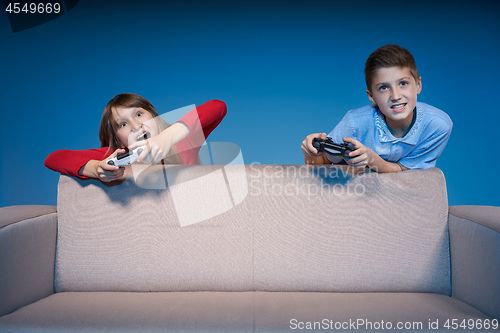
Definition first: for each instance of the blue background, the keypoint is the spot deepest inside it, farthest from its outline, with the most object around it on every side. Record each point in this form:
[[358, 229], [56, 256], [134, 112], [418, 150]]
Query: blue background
[[285, 69]]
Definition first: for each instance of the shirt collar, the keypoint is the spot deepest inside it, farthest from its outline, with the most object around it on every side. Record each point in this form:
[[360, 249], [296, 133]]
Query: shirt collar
[[385, 135]]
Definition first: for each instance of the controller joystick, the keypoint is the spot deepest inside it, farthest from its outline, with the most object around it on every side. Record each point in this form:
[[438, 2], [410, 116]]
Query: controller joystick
[[333, 149], [126, 158]]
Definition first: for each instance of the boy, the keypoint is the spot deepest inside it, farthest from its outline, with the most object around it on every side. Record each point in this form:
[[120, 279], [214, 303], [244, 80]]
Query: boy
[[395, 133]]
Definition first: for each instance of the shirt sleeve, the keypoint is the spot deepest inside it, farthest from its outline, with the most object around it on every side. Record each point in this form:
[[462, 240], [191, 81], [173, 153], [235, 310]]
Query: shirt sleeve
[[344, 129], [205, 117], [69, 162], [201, 121], [425, 154]]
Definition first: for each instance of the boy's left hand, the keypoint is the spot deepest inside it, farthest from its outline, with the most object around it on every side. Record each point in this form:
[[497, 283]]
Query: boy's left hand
[[361, 157]]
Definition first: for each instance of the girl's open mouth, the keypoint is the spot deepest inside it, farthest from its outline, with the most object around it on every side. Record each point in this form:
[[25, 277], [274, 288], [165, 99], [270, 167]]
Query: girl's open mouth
[[144, 136]]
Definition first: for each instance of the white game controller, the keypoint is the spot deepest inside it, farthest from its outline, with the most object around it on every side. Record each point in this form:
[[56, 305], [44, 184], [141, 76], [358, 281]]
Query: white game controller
[[126, 158]]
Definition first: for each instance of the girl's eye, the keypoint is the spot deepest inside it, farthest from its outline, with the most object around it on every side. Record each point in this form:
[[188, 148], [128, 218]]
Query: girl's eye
[[122, 125], [139, 114]]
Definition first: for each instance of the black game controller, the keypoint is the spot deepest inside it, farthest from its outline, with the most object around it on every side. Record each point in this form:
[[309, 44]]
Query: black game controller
[[126, 158], [327, 146]]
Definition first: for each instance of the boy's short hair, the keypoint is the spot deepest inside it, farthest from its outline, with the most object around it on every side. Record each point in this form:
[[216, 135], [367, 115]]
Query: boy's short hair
[[390, 55]]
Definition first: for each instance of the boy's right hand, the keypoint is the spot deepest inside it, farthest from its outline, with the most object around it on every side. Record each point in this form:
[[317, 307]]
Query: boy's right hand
[[307, 147], [103, 171]]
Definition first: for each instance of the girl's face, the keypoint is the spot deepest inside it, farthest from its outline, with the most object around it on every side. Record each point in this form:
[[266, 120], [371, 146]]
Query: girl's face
[[133, 124]]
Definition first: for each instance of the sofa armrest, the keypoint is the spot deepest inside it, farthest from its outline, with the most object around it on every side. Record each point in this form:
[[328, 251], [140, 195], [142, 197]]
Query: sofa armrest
[[475, 256], [27, 255]]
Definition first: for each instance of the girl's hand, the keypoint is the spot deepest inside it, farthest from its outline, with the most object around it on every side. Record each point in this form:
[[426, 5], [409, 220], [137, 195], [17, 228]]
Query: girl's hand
[[361, 157], [103, 171], [157, 148], [154, 149]]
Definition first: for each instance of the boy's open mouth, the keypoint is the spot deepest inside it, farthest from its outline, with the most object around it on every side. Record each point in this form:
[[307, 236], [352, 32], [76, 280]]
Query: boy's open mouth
[[398, 107]]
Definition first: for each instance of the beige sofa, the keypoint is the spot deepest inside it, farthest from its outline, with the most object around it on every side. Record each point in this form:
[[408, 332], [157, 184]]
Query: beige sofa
[[254, 248]]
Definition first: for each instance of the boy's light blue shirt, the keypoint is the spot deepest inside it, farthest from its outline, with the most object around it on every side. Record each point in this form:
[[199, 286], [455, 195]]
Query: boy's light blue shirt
[[418, 149]]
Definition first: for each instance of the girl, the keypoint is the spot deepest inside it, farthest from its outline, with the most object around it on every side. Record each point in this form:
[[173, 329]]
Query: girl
[[130, 120]]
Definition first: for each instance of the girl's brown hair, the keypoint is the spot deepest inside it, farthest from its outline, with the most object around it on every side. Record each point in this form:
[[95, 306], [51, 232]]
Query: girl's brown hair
[[390, 55], [107, 134]]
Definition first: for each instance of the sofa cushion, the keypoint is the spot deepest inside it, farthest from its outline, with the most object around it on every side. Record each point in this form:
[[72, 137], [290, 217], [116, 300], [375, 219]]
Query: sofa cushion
[[475, 257], [236, 312], [325, 229], [27, 257], [128, 237], [13, 214], [298, 228]]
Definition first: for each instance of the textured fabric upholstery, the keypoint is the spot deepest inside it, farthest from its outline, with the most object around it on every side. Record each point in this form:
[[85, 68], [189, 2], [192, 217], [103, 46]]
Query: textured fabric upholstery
[[298, 229], [487, 216], [27, 258], [475, 257], [255, 248], [13, 214], [333, 231], [235, 312]]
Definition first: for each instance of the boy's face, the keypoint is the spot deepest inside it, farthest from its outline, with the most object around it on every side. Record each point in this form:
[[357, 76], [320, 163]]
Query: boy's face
[[395, 92]]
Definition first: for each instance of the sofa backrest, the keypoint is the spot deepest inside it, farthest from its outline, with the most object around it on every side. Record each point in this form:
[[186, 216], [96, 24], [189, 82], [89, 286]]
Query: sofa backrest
[[255, 227]]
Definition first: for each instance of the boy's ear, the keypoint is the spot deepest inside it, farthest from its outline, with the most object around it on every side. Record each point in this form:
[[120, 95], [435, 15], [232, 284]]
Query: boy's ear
[[370, 96], [419, 85]]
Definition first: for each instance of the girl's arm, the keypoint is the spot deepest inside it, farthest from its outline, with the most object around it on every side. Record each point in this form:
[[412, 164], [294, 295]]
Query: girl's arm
[[69, 162], [200, 121], [205, 117], [103, 171], [188, 134], [74, 162]]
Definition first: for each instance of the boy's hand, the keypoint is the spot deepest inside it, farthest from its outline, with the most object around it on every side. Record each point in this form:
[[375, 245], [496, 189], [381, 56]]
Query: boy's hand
[[307, 147], [365, 157], [362, 157]]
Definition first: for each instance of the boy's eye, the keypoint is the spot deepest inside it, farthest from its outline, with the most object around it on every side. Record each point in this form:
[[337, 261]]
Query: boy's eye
[[382, 88], [403, 83]]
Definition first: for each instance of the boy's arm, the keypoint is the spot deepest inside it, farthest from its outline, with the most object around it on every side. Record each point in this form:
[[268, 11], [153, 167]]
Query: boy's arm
[[424, 156], [378, 164], [319, 159], [365, 157]]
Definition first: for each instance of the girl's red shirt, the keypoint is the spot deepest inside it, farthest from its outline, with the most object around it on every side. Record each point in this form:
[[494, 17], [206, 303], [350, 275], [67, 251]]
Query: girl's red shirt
[[201, 121]]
